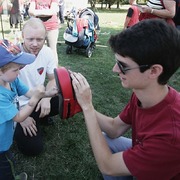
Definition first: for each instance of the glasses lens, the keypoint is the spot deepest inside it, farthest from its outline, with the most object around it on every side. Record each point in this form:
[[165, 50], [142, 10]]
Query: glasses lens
[[123, 68], [120, 67]]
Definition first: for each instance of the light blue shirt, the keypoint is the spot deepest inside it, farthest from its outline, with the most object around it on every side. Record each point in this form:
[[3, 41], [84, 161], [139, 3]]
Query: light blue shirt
[[8, 110]]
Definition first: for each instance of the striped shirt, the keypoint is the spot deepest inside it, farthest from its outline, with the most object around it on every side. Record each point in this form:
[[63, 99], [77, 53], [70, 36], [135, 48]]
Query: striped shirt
[[155, 4]]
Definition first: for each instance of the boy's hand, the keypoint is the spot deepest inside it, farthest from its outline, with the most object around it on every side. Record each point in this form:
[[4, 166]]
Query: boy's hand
[[51, 92], [39, 92]]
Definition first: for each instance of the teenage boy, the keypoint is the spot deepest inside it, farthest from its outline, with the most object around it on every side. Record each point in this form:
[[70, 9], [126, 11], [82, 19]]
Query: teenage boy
[[147, 55]]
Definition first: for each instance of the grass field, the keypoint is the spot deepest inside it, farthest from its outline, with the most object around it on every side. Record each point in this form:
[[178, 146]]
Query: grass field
[[67, 154]]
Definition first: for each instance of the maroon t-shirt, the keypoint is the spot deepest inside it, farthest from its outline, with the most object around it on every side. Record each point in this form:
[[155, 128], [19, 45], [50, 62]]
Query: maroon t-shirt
[[156, 138]]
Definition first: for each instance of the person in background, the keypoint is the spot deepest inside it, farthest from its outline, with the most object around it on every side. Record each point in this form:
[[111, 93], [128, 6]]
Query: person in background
[[5, 6], [26, 7], [47, 11], [28, 134], [152, 112], [132, 16], [61, 11], [164, 9], [12, 59], [14, 18]]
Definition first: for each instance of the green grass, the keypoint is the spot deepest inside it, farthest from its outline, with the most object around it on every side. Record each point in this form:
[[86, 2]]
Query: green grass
[[67, 154]]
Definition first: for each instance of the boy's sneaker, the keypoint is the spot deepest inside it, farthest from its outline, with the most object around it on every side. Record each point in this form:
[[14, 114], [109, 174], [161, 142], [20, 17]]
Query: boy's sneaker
[[21, 176]]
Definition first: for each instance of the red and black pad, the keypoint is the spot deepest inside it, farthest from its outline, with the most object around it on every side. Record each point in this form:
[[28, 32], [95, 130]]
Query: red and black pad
[[68, 106]]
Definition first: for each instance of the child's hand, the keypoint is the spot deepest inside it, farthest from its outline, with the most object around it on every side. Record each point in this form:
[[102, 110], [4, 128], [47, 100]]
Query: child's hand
[[51, 92], [39, 92]]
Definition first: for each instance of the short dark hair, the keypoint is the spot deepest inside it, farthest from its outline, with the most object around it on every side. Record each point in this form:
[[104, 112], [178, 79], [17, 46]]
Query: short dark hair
[[151, 41]]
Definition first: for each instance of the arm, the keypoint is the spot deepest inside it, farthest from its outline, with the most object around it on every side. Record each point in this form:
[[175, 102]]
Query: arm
[[51, 81], [29, 124], [44, 104], [38, 93], [113, 127], [27, 110], [168, 12], [108, 163], [126, 22], [54, 9], [128, 17]]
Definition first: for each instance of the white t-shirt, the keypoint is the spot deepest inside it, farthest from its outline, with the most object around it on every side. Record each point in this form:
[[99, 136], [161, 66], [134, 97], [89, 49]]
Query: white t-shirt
[[35, 74]]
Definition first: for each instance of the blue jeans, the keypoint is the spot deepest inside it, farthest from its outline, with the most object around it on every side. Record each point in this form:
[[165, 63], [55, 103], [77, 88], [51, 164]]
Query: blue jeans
[[117, 145]]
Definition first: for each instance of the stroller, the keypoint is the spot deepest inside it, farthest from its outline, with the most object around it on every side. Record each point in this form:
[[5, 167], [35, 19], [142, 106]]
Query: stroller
[[80, 33]]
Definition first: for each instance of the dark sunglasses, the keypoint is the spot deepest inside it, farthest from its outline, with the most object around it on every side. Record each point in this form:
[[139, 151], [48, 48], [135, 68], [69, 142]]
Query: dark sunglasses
[[124, 69]]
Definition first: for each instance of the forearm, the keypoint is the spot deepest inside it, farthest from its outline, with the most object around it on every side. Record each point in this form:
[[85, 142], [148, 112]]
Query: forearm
[[26, 110], [105, 123], [113, 127], [126, 22], [98, 143], [164, 13], [50, 84], [108, 163], [167, 12]]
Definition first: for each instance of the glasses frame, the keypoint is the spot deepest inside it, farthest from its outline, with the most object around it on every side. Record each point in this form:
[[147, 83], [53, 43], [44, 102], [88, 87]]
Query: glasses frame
[[125, 69]]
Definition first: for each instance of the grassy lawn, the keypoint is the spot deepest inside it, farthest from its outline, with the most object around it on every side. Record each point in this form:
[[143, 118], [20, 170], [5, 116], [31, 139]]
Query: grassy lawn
[[67, 154]]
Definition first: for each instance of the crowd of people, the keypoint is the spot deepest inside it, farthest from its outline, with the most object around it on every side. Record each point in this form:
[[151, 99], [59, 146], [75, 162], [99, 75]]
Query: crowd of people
[[29, 96]]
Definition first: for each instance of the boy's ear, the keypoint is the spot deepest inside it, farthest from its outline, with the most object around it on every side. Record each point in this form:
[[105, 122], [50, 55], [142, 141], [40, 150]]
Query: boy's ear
[[156, 70]]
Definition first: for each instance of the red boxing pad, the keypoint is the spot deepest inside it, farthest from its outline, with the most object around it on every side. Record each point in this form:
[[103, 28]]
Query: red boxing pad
[[68, 105]]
